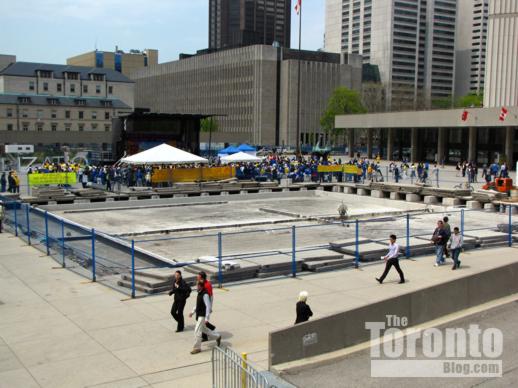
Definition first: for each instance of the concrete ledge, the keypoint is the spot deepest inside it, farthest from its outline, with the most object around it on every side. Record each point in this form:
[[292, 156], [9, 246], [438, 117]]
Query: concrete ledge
[[179, 195], [396, 196], [226, 193], [155, 197], [204, 194], [447, 201], [245, 192], [362, 192], [430, 199], [337, 189], [413, 197], [265, 190], [83, 200], [133, 198], [473, 205], [349, 190], [339, 331], [489, 207], [377, 194]]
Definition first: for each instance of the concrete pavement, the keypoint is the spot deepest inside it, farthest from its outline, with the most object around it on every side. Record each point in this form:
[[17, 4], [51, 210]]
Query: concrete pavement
[[57, 329]]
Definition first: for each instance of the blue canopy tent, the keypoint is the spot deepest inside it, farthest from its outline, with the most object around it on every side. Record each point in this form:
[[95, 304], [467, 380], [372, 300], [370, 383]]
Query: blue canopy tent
[[246, 148], [229, 151]]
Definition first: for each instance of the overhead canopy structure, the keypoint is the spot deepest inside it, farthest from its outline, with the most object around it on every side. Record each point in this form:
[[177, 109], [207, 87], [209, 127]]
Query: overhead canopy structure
[[163, 154], [229, 151], [240, 157], [246, 148]]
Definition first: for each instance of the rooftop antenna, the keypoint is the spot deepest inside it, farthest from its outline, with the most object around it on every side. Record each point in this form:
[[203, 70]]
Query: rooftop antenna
[[96, 43]]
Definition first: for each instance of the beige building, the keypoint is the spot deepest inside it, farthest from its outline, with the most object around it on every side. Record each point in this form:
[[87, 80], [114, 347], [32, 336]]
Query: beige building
[[125, 63], [252, 90], [55, 105]]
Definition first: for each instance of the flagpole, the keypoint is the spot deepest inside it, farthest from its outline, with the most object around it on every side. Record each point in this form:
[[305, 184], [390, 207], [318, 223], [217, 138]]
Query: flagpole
[[297, 140]]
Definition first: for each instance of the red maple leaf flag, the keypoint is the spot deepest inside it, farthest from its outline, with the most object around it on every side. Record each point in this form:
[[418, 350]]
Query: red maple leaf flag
[[465, 115], [298, 6], [503, 114]]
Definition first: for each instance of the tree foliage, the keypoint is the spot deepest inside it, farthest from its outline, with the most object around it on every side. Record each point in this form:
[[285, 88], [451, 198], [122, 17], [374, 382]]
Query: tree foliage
[[209, 125], [472, 100], [342, 101]]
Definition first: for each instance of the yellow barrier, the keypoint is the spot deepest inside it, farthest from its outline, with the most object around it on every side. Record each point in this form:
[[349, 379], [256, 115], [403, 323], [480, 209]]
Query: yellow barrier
[[346, 168], [330, 168], [192, 174], [52, 178], [351, 169]]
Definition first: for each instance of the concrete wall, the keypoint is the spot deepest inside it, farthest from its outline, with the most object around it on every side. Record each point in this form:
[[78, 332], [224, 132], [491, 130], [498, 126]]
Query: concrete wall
[[345, 329], [333, 34]]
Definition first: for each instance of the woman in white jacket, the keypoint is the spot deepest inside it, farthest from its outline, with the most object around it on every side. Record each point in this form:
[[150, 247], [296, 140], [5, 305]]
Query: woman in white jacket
[[455, 246]]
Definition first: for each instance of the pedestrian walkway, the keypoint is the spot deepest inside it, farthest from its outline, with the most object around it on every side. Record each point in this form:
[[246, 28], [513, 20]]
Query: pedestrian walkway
[[59, 330]]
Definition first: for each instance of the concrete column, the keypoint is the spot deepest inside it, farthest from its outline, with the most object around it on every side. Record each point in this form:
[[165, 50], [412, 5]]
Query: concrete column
[[369, 143], [414, 146], [509, 146], [441, 141], [390, 143], [350, 141], [472, 144]]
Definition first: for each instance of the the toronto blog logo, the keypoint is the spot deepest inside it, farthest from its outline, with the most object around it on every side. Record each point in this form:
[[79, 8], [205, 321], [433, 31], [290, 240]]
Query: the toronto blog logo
[[401, 351]]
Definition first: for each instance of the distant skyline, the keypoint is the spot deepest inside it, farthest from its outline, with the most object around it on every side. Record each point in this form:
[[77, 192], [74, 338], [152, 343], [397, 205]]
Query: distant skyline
[[50, 31]]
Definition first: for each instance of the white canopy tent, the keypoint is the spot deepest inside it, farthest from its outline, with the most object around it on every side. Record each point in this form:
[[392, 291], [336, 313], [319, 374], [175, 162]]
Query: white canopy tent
[[240, 157], [163, 154]]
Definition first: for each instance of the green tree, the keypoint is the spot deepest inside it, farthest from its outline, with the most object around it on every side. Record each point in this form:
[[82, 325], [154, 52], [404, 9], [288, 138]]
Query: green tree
[[470, 100], [442, 103], [342, 101], [209, 125]]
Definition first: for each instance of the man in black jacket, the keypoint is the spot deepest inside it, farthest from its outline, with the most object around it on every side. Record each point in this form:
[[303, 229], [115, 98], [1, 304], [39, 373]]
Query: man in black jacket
[[181, 291]]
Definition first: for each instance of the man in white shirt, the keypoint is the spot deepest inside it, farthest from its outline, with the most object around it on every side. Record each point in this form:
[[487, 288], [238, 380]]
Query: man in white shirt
[[391, 259]]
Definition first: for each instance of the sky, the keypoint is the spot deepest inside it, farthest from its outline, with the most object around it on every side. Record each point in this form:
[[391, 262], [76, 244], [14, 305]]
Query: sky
[[50, 31]]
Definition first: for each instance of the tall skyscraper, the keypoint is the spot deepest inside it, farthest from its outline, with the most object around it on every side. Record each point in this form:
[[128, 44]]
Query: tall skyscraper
[[235, 23], [501, 78], [470, 45], [411, 41]]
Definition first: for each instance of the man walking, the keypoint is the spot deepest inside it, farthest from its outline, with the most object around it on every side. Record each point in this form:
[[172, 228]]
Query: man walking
[[439, 239], [181, 292], [447, 230], [202, 277], [391, 259], [202, 311]]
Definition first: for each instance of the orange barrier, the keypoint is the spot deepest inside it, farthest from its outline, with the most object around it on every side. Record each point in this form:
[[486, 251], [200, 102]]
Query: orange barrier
[[192, 174]]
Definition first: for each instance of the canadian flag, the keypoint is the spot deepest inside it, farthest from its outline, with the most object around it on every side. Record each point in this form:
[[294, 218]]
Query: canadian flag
[[465, 115], [503, 114], [298, 6]]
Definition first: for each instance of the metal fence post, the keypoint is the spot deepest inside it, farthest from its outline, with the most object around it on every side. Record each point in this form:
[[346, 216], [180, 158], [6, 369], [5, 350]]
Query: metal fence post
[[133, 268], [387, 172], [510, 209], [437, 176], [27, 216], [293, 251], [16, 219], [462, 222], [407, 253], [63, 243], [357, 245], [220, 260], [93, 256], [47, 232], [244, 357]]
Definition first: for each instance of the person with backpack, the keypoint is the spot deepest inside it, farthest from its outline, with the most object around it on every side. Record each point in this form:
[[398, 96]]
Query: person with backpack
[[181, 291]]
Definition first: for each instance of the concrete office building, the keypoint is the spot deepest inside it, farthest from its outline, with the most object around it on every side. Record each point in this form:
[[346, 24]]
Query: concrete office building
[[125, 63], [252, 89], [470, 46], [236, 23], [443, 135], [501, 80], [51, 106], [411, 41]]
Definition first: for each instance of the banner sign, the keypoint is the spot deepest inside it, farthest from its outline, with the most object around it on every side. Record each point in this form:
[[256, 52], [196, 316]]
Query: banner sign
[[52, 178], [330, 168], [192, 174]]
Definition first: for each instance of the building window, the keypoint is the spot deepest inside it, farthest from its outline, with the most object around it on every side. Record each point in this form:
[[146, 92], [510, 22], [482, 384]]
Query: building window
[[46, 86], [39, 127], [107, 127], [67, 127], [94, 115], [98, 89], [67, 114], [80, 102], [45, 74], [24, 100], [72, 76], [80, 115], [54, 127], [106, 115], [72, 88], [31, 85], [25, 127], [94, 127], [9, 112], [97, 77], [81, 127], [53, 114], [9, 127], [110, 89], [53, 101], [25, 113], [58, 87], [85, 88], [39, 114]]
